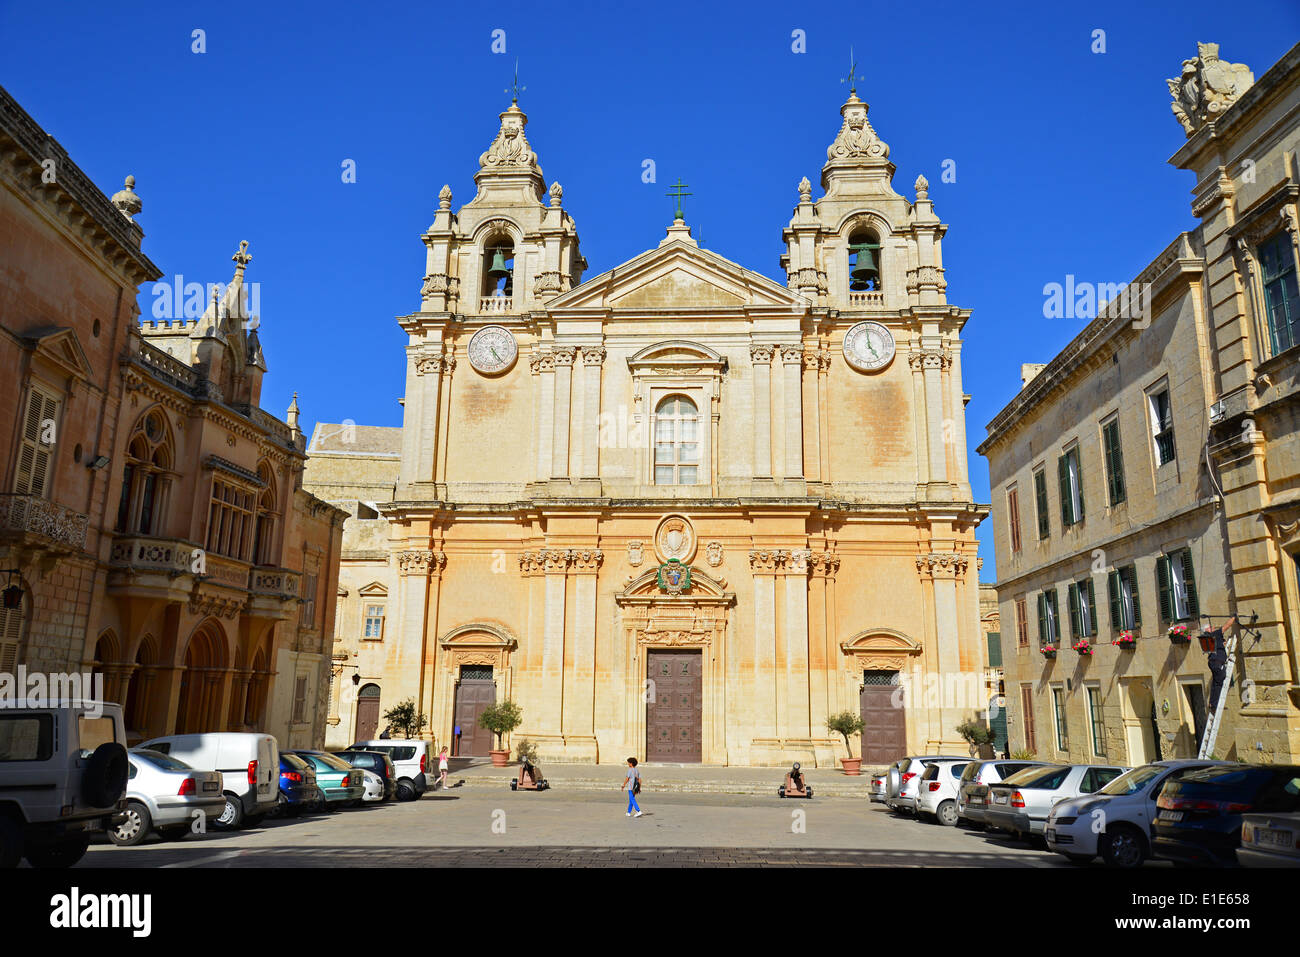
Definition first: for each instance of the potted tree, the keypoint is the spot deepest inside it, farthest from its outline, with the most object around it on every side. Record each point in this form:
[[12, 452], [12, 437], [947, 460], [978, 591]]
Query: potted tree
[[406, 720], [501, 719], [847, 723], [978, 736]]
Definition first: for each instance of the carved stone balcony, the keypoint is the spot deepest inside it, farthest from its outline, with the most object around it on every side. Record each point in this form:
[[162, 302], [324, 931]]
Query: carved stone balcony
[[29, 522], [871, 299], [495, 305], [273, 593], [151, 568]]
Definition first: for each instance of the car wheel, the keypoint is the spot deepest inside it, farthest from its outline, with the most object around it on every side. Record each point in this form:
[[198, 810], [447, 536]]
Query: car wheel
[[406, 791], [232, 815], [60, 855], [1123, 847], [11, 843], [947, 814], [135, 828]]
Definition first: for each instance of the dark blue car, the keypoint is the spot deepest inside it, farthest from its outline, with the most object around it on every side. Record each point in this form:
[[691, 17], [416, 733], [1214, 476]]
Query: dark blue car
[[298, 788], [1199, 817]]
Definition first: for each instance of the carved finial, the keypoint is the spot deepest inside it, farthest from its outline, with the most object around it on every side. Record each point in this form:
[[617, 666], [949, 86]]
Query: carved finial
[[291, 417], [557, 193], [127, 202], [241, 258], [444, 197], [805, 190], [922, 188]]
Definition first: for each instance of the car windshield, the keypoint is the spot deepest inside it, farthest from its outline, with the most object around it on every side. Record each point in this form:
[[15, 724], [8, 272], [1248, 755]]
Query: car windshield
[[1133, 781], [164, 761], [330, 762], [969, 772], [295, 762], [1050, 776]]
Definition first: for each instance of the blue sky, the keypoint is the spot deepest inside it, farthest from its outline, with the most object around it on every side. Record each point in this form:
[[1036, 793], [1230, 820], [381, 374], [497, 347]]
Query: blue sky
[[1060, 153]]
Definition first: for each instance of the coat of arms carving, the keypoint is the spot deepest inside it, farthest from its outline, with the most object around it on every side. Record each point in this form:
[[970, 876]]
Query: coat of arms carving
[[675, 539], [674, 577], [635, 554], [1206, 87]]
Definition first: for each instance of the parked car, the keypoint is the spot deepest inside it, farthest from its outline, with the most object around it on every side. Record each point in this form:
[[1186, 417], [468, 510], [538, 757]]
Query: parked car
[[412, 757], [341, 783], [375, 790], [1200, 817], [901, 789], [973, 791], [879, 784], [1021, 803], [166, 795], [379, 762], [249, 763], [298, 788], [938, 790], [63, 772], [1115, 822], [1270, 840]]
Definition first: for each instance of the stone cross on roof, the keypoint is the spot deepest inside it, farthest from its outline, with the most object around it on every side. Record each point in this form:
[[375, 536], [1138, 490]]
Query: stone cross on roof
[[241, 258]]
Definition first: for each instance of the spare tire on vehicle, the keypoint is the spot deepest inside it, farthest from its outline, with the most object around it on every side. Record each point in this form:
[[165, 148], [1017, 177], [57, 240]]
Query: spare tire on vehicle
[[104, 782]]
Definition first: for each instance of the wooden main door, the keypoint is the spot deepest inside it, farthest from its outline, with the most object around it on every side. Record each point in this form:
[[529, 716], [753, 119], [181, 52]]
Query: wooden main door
[[674, 718], [884, 718], [475, 692]]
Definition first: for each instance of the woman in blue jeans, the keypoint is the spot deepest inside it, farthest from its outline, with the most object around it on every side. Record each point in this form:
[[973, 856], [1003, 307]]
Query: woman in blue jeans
[[633, 784]]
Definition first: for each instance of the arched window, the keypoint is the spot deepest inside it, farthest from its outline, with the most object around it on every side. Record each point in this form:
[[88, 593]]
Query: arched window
[[864, 260], [498, 268], [146, 477], [264, 527], [677, 442]]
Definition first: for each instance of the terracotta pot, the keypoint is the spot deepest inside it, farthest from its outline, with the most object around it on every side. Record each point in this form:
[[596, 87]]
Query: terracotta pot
[[500, 758], [852, 765]]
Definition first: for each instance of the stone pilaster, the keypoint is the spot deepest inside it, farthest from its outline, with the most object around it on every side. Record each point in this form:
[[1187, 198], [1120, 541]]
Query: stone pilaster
[[563, 391], [792, 364], [542, 367], [593, 357], [761, 357]]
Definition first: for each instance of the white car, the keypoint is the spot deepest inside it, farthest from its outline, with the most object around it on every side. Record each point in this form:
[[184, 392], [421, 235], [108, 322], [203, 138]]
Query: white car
[[63, 771], [249, 764], [374, 786], [412, 759], [1115, 822], [166, 795], [937, 791], [901, 787]]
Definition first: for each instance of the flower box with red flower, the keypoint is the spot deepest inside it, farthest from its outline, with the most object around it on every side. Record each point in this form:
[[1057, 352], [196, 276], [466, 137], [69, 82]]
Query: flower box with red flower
[[1178, 634], [1083, 647], [1049, 651], [1126, 641]]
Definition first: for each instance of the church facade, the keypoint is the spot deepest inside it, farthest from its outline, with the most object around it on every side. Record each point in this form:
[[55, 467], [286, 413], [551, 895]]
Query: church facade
[[676, 510]]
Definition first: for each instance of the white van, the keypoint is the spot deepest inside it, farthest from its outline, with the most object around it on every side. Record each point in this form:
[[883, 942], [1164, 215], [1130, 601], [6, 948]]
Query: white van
[[249, 765], [412, 760]]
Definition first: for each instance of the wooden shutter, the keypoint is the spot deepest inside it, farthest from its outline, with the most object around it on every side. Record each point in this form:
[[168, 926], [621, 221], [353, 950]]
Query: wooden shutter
[[34, 454], [1042, 618], [1131, 574], [1027, 706], [1040, 495], [1072, 596], [1078, 478], [1193, 606], [1013, 514], [1116, 601], [1063, 475], [1092, 608], [11, 630], [1114, 464], [1165, 587]]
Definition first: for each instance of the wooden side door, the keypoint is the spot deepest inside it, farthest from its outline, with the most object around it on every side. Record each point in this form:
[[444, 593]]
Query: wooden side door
[[473, 694], [675, 717], [884, 718]]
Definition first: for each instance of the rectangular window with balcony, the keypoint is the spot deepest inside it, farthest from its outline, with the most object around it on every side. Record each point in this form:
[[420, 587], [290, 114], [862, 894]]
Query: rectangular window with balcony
[[1013, 517], [1125, 611], [1094, 722], [374, 628], [1115, 490], [1022, 624], [1281, 298], [1067, 470], [1162, 426], [1058, 710], [1040, 497], [36, 446], [1177, 585], [1049, 629], [1083, 605]]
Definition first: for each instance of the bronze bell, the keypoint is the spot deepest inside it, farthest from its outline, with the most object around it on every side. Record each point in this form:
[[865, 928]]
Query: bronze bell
[[865, 271], [498, 270]]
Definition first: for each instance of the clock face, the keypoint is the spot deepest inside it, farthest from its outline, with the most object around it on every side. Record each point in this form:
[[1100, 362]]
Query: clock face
[[492, 349], [868, 346]]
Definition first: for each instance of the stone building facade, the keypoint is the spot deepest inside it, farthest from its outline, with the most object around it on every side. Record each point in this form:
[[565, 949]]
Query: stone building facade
[[154, 513], [1134, 488], [676, 510]]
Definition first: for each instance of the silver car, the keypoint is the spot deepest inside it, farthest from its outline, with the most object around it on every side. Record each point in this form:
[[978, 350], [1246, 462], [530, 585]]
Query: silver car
[[166, 795], [973, 792], [1021, 803], [938, 790], [902, 787]]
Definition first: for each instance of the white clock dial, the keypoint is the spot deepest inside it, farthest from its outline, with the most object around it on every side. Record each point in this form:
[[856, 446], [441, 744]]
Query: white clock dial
[[493, 349], [868, 346]]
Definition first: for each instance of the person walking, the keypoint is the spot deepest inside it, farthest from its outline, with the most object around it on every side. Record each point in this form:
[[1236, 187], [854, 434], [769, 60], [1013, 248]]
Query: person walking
[[442, 766], [633, 784]]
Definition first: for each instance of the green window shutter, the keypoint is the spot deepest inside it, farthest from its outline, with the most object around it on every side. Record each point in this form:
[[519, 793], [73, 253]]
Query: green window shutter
[[1114, 464], [1042, 618], [1063, 475], [1040, 496], [1072, 596], [1092, 608], [1078, 473], [1133, 587], [1193, 606], [1165, 588], [995, 649], [1116, 603]]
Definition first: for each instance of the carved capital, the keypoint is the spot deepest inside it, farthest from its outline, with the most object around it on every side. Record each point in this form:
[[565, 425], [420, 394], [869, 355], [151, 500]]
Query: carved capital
[[433, 364], [942, 565], [541, 361], [420, 561], [586, 560], [825, 564], [930, 359], [761, 355], [555, 561], [593, 355], [791, 355], [767, 559], [565, 355], [797, 559]]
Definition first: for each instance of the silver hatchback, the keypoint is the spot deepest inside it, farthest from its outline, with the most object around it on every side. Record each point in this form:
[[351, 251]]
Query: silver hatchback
[[166, 795], [1021, 803]]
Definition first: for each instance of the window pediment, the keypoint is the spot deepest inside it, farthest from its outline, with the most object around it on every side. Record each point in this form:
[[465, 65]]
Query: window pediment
[[677, 357]]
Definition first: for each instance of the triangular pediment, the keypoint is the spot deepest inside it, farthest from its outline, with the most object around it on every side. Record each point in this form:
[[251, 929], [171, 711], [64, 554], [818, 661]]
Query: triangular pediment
[[62, 348], [676, 276]]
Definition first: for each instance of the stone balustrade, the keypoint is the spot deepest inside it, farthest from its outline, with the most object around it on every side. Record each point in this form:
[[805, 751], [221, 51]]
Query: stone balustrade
[[871, 299], [496, 305], [142, 554], [279, 582]]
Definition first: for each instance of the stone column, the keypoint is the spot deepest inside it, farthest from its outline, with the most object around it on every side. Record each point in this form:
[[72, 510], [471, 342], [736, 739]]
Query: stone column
[[542, 366], [580, 680], [593, 357], [430, 369], [797, 720], [761, 358], [765, 565], [555, 566], [563, 385], [792, 363]]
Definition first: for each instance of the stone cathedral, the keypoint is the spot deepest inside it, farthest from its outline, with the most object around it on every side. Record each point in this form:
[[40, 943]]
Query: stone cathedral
[[676, 510]]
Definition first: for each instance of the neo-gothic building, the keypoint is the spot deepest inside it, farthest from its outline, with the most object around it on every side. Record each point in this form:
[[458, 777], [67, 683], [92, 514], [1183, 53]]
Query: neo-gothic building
[[677, 509]]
